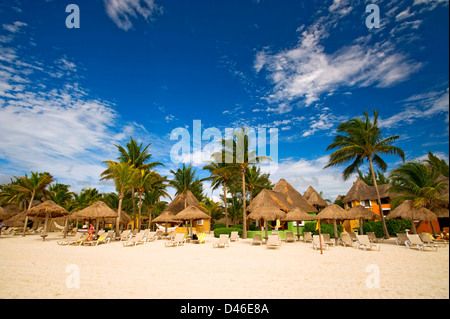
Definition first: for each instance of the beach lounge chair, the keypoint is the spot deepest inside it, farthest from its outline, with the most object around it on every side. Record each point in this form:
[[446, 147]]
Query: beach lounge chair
[[373, 238], [257, 239], [101, 240], [125, 235], [365, 243], [177, 241], [327, 239], [70, 241], [307, 237], [234, 236], [273, 241], [353, 236], [151, 236], [223, 241], [138, 239], [201, 239], [401, 239], [414, 240], [159, 234], [427, 238], [316, 243], [289, 237], [345, 240]]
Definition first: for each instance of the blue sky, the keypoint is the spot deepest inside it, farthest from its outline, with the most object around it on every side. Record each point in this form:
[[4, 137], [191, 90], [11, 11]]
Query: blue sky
[[143, 68]]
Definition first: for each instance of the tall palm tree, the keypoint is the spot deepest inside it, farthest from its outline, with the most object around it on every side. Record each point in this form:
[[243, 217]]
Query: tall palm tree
[[124, 176], [212, 208], [60, 194], [32, 186], [359, 140], [241, 156], [184, 179], [139, 156], [256, 181], [221, 173]]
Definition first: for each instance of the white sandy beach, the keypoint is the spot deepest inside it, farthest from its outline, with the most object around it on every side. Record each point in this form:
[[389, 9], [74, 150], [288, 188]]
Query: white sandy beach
[[31, 268]]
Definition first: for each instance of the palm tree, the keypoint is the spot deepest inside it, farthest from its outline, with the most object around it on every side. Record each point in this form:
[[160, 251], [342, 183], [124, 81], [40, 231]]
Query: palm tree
[[184, 179], [212, 208], [33, 186], [87, 197], [360, 140], [240, 156], [437, 164], [60, 194], [221, 173], [417, 182], [256, 181], [138, 156], [124, 176]]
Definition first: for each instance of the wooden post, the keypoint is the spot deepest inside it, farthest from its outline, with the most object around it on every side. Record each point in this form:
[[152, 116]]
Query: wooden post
[[320, 237]]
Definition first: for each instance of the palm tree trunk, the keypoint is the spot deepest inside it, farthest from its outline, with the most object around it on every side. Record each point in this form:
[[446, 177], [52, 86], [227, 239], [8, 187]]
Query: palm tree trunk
[[26, 219], [383, 221], [119, 212], [244, 206], [134, 206], [140, 210], [225, 203]]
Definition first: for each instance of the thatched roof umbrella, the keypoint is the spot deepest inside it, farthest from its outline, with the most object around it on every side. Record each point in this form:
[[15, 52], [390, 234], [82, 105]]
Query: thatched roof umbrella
[[293, 197], [406, 210], [180, 202], [361, 213], [333, 212], [361, 191], [17, 220], [297, 215], [47, 209], [268, 205], [4, 214], [165, 218], [314, 198], [191, 213], [98, 211], [441, 212]]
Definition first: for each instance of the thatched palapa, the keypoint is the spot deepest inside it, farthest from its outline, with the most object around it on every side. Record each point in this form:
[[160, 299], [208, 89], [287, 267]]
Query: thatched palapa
[[192, 213], [98, 210], [293, 197], [406, 210], [361, 191], [314, 198], [359, 211], [47, 209], [180, 202], [165, 218], [333, 212], [297, 214], [268, 205]]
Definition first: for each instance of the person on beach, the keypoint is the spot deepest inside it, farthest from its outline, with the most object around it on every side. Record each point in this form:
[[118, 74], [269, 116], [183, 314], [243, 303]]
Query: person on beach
[[91, 231]]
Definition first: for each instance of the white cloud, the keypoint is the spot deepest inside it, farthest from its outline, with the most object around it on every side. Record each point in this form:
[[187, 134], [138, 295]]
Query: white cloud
[[14, 27], [420, 106], [122, 11]]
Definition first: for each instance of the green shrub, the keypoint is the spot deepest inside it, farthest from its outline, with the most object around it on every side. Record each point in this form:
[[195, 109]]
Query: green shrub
[[219, 225], [224, 230], [393, 226], [324, 228]]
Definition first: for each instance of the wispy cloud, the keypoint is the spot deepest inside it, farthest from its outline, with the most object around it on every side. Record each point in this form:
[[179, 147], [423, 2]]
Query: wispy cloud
[[302, 74], [123, 11]]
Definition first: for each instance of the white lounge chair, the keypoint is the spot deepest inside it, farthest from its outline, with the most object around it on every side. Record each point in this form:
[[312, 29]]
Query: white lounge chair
[[234, 236], [414, 240], [257, 239], [316, 243], [178, 240], [345, 240], [364, 243], [223, 241], [273, 241], [139, 239], [307, 237], [289, 237]]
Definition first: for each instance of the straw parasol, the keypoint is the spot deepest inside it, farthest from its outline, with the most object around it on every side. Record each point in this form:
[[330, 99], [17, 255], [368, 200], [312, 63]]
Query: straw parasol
[[99, 210], [297, 215], [293, 197], [333, 212], [180, 202], [47, 209], [361, 191], [406, 210], [314, 198], [268, 205], [192, 213], [165, 218], [361, 213]]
